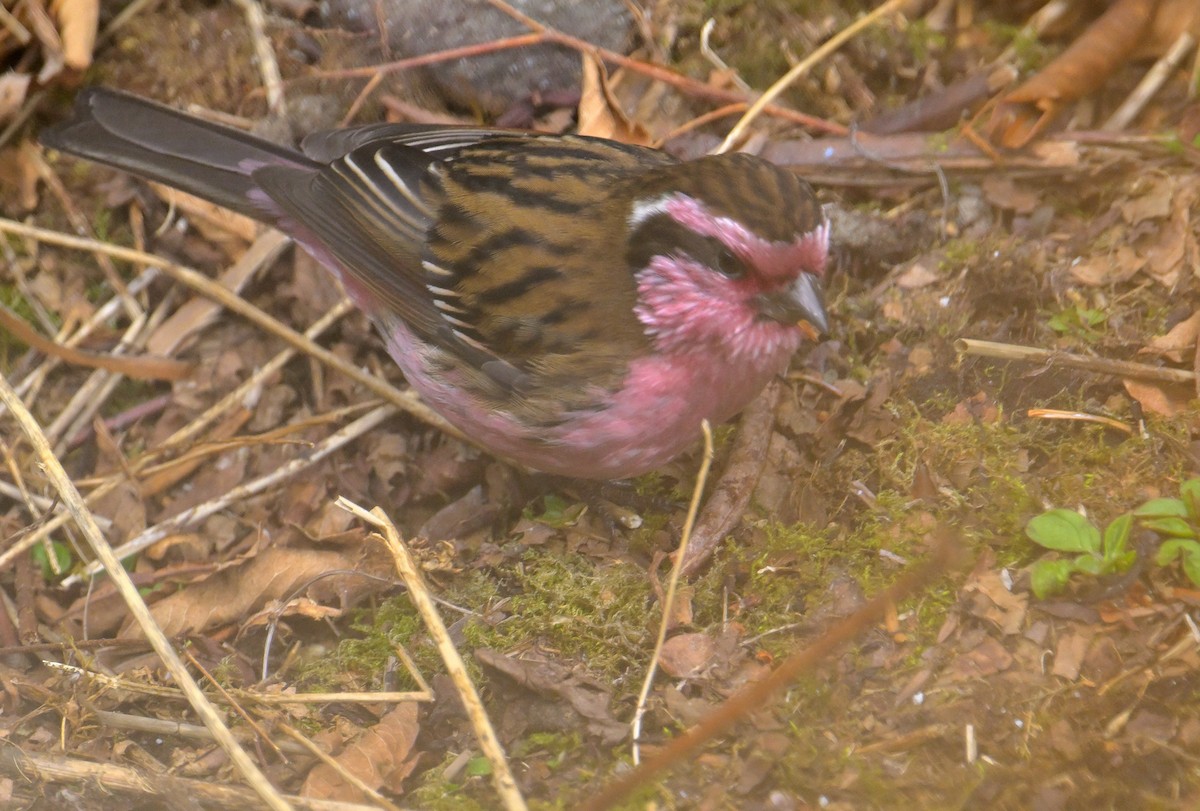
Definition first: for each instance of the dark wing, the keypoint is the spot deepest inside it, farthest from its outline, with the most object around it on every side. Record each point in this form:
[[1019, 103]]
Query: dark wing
[[529, 250], [496, 246], [371, 211]]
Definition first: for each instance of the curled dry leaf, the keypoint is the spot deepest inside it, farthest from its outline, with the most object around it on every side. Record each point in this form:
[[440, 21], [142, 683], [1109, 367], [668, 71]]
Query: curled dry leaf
[[1161, 399], [1107, 269], [990, 600], [1081, 69], [600, 113], [589, 697]]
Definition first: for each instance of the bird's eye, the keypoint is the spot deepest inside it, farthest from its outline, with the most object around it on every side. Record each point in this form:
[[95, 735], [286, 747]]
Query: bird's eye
[[729, 264]]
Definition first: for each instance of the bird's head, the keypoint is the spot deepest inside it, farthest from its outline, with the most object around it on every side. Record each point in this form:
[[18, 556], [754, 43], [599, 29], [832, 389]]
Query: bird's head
[[728, 252]]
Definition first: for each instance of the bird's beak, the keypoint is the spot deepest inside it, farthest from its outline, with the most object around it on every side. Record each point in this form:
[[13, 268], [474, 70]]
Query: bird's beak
[[802, 304]]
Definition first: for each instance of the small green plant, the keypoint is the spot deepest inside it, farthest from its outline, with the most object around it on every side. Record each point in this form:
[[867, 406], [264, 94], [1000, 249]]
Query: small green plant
[[1179, 520], [1095, 553], [1080, 322], [63, 560]]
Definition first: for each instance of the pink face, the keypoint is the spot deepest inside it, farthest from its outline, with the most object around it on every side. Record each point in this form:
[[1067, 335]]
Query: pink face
[[688, 306]]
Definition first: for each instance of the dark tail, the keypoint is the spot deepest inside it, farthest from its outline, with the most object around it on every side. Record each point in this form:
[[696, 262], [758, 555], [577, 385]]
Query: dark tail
[[156, 142]]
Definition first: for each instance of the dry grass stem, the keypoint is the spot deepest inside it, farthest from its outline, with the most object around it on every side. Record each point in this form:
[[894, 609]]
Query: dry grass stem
[[668, 602], [418, 592], [133, 599], [335, 764], [1151, 83], [52, 769], [404, 400], [804, 66], [264, 54]]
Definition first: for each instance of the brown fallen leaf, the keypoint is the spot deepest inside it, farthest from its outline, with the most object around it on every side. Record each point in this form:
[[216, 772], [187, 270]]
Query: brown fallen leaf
[[992, 601], [686, 655], [600, 113], [987, 658], [1162, 399], [1004, 192], [235, 592], [381, 758], [1108, 269], [589, 697], [1069, 653], [1079, 70], [732, 494], [1178, 343]]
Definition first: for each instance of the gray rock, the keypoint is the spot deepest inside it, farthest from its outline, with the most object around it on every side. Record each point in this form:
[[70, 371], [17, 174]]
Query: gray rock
[[497, 82]]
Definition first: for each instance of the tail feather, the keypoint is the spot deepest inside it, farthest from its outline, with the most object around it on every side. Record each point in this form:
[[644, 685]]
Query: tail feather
[[205, 159]]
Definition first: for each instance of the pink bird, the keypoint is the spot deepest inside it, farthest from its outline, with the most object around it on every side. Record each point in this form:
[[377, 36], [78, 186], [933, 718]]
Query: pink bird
[[575, 304]]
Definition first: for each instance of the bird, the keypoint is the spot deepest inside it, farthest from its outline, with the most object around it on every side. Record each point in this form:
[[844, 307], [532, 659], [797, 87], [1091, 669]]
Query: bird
[[574, 304]]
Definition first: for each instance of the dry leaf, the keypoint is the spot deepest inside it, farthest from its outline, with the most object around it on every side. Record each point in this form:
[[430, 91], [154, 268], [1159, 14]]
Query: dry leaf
[[381, 758], [1100, 271], [685, 655], [233, 593], [1003, 192], [993, 602], [917, 276], [600, 115], [1163, 399], [1068, 656], [1154, 204], [1178, 343]]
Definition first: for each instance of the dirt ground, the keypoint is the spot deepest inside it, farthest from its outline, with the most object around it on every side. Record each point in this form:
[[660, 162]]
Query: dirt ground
[[1059, 675]]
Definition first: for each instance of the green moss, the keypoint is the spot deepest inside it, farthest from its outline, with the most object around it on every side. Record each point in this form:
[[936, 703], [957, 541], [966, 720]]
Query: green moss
[[595, 614]]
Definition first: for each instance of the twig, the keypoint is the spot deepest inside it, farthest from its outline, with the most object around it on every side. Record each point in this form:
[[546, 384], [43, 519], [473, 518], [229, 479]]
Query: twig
[[265, 55], [1150, 83], [178, 729], [668, 602], [234, 399], [137, 606], [1077, 416], [1050, 357], [248, 696], [706, 50], [834, 42], [112, 778], [19, 32], [409, 571]]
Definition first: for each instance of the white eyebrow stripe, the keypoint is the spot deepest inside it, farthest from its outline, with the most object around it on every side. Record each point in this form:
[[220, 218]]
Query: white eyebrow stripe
[[645, 209]]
